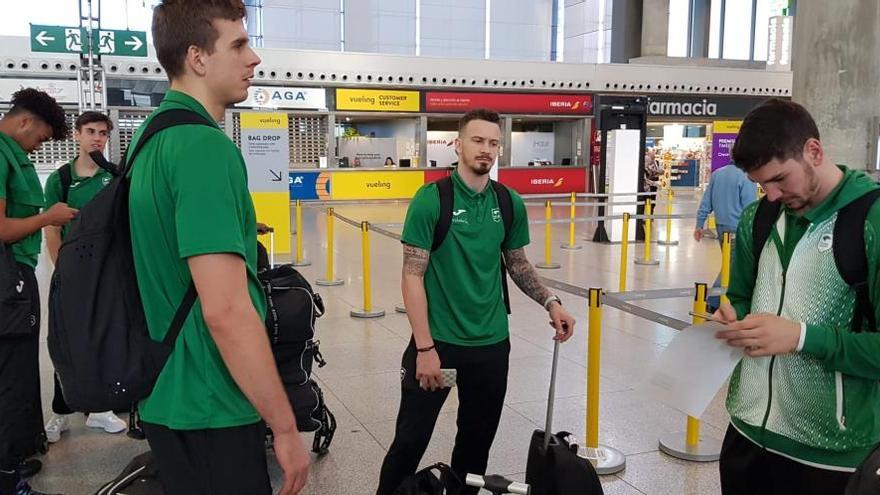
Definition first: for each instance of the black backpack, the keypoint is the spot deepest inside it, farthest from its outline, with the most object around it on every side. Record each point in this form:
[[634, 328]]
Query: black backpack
[[849, 256], [446, 190], [98, 336], [425, 482]]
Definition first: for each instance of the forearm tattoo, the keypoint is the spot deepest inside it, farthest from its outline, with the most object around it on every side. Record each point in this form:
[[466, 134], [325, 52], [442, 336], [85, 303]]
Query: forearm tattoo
[[415, 260], [524, 275]]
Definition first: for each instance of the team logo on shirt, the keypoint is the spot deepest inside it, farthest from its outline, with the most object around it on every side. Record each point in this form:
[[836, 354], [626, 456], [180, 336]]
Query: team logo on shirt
[[826, 242], [105, 180], [457, 216], [496, 215]]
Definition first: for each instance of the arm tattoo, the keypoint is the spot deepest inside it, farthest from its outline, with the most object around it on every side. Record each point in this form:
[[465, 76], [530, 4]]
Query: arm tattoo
[[524, 275], [415, 260]]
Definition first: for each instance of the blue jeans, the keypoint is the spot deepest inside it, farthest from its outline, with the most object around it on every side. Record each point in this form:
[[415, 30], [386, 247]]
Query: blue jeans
[[715, 301]]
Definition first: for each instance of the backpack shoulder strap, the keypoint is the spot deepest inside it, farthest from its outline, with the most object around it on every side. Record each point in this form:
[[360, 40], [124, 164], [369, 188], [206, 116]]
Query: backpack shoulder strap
[[66, 176], [505, 204], [444, 221], [765, 218], [850, 257], [159, 123]]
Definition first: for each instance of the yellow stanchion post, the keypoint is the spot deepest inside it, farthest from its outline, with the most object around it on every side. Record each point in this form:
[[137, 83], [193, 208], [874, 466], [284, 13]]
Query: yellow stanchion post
[[548, 263], [571, 246], [605, 459], [690, 446], [649, 227], [368, 311], [670, 196], [298, 259], [330, 279], [624, 252]]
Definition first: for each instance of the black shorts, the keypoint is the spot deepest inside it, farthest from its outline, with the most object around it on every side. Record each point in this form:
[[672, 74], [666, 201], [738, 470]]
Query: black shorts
[[222, 461], [21, 413]]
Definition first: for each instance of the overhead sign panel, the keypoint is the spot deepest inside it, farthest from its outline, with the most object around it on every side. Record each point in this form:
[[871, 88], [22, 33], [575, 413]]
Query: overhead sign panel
[[702, 106], [377, 100], [73, 39], [539, 103], [285, 97]]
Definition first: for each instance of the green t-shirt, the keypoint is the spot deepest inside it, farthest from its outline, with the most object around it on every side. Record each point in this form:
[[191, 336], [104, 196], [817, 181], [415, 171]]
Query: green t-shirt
[[463, 279], [82, 189], [20, 187], [189, 197]]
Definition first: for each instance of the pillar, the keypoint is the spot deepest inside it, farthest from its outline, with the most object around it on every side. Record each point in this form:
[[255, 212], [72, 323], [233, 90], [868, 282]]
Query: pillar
[[837, 73]]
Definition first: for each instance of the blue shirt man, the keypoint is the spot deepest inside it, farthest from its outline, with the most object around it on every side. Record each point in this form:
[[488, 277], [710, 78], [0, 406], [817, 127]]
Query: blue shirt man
[[728, 193]]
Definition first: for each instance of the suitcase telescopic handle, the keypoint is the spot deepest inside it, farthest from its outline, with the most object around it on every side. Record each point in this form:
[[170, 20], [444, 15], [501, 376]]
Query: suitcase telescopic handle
[[551, 395], [497, 484]]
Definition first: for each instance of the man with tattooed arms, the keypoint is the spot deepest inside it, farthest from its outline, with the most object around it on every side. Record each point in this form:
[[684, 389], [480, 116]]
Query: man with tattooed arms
[[453, 294]]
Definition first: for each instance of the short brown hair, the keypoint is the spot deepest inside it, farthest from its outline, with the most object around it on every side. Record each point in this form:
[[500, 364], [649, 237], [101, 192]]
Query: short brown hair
[[479, 114], [777, 129], [90, 117], [180, 24]]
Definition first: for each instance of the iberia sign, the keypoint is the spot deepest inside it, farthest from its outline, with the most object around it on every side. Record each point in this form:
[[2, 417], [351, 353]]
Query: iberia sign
[[527, 103]]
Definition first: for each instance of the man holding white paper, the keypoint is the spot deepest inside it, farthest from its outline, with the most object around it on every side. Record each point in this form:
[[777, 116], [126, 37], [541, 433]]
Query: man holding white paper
[[804, 401]]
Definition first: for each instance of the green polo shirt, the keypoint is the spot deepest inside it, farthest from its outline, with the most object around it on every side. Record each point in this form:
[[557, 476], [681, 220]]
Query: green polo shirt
[[463, 279], [20, 187], [81, 191], [189, 197]]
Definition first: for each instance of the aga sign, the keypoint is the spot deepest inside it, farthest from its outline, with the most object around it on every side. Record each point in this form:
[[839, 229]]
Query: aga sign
[[285, 97]]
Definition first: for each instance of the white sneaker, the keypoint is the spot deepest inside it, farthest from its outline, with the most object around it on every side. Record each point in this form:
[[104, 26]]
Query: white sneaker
[[108, 421], [56, 425]]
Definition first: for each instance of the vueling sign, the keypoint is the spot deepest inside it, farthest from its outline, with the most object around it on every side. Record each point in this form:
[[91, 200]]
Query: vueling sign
[[284, 97]]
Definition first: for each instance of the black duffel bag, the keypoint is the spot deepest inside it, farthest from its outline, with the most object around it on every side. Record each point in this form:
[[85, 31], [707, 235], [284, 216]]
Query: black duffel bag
[[292, 305]]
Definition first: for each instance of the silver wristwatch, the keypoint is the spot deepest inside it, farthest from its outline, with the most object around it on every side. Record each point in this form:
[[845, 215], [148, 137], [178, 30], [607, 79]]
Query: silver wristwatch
[[551, 299]]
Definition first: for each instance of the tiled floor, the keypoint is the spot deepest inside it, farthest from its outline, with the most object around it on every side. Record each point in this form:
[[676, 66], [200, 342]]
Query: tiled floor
[[361, 381]]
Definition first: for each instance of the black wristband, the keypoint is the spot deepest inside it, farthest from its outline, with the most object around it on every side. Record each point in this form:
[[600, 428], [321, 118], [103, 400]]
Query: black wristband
[[425, 349]]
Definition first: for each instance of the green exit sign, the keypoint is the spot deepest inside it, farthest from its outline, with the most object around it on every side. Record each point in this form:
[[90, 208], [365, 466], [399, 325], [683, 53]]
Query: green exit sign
[[66, 39]]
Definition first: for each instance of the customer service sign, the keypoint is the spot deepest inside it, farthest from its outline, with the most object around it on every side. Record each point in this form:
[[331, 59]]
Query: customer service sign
[[378, 100]]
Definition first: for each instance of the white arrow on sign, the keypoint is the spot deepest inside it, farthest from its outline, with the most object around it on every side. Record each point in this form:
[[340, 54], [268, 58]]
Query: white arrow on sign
[[43, 37], [135, 43]]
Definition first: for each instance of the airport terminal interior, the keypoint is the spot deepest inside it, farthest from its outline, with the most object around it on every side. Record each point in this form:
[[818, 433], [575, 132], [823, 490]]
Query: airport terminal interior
[[355, 106]]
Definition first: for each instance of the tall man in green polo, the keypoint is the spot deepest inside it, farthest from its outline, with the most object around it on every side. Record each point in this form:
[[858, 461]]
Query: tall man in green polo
[[804, 401], [193, 221], [455, 307], [34, 118], [91, 130]]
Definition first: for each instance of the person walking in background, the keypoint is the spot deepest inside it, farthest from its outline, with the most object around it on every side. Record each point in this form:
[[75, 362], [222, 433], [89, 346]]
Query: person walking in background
[[729, 192]]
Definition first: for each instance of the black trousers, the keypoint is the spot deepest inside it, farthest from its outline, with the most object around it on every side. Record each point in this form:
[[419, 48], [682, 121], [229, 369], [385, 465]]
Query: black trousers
[[223, 461], [482, 385], [747, 469], [21, 412]]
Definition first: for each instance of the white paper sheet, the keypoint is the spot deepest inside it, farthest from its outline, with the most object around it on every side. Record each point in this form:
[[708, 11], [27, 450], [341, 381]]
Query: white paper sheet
[[694, 366]]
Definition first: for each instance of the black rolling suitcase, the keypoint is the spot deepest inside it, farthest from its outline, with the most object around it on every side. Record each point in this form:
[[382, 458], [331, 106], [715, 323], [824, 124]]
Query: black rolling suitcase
[[553, 467]]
